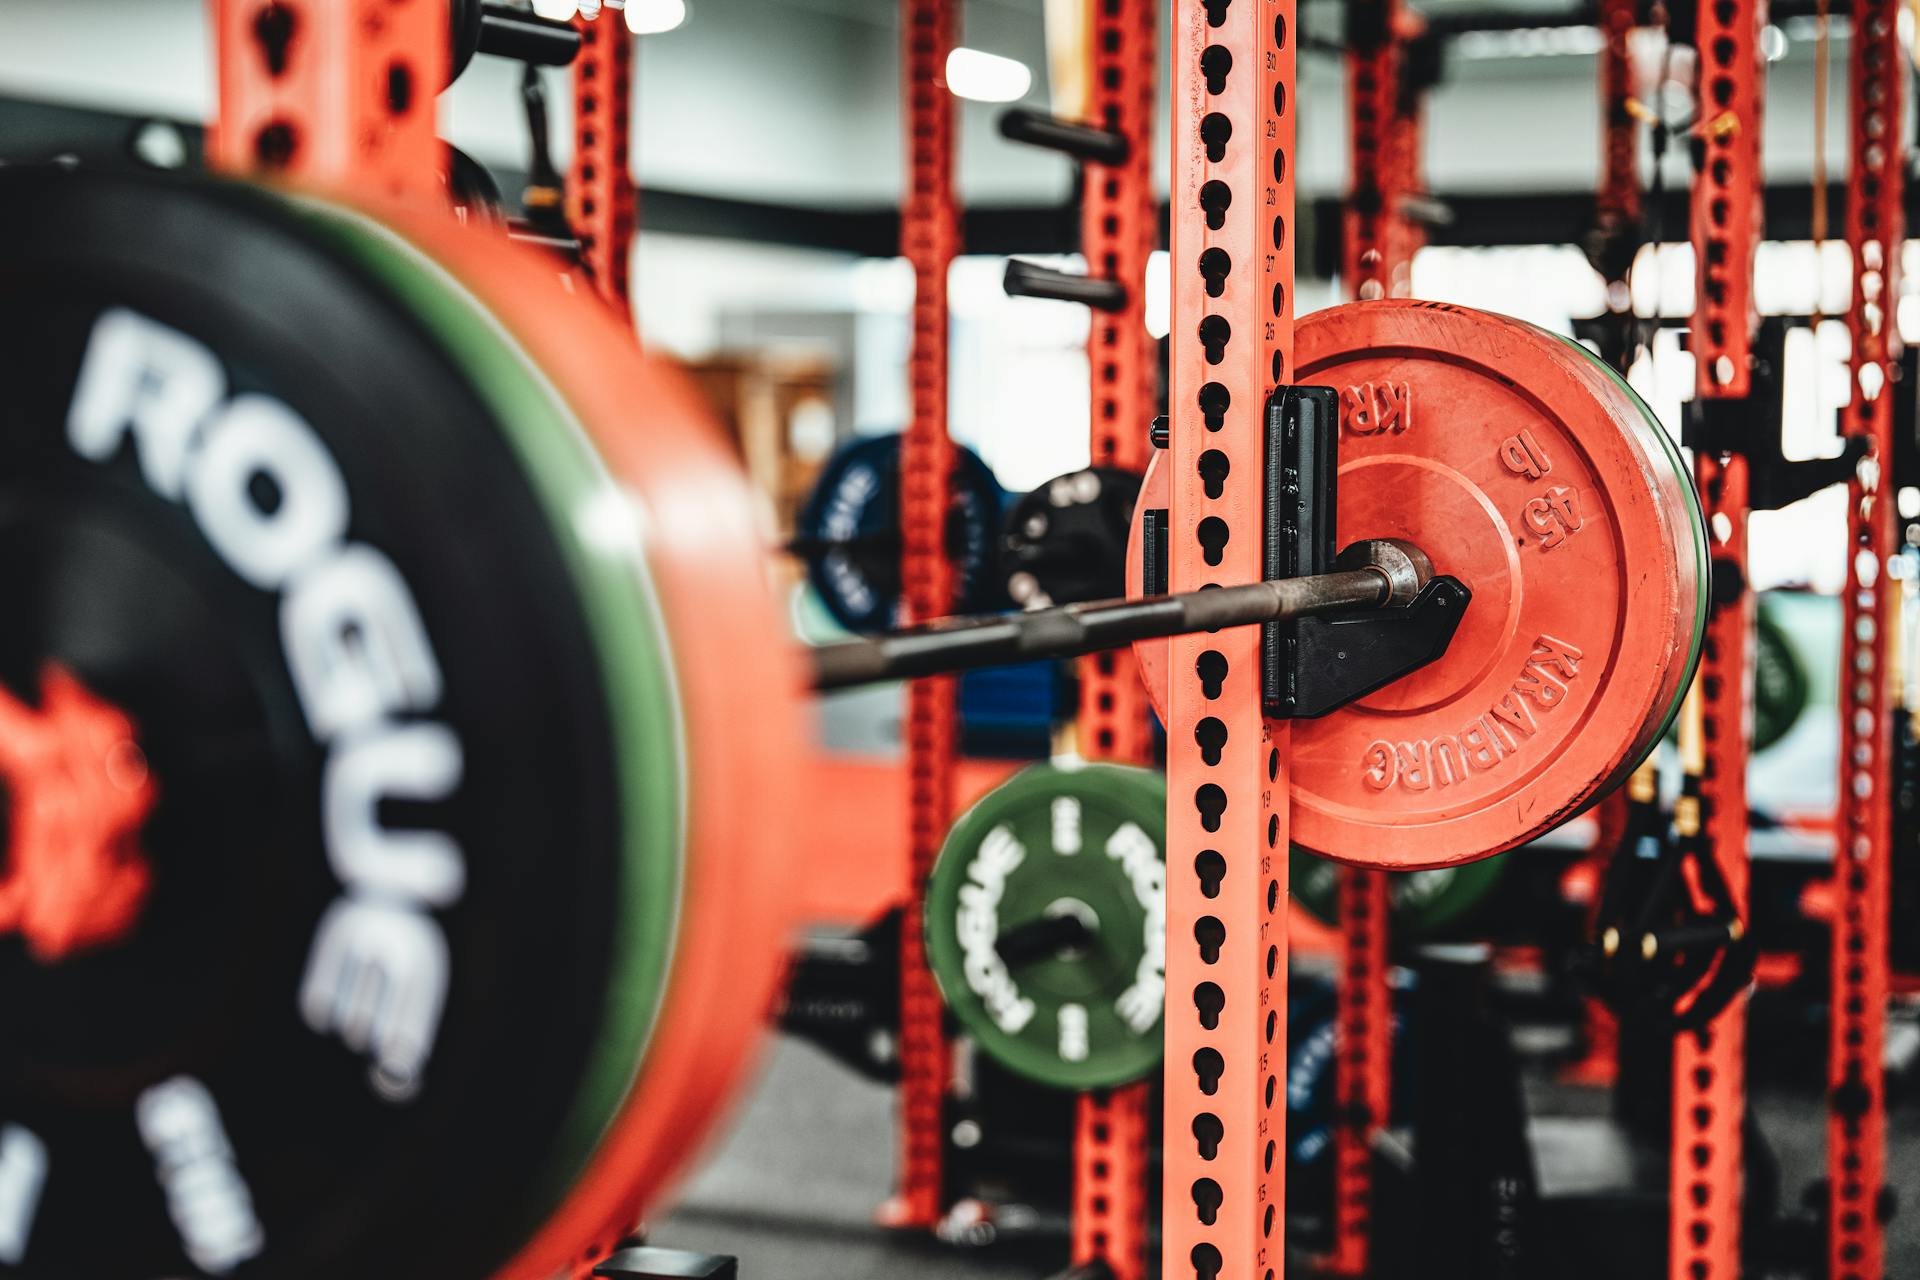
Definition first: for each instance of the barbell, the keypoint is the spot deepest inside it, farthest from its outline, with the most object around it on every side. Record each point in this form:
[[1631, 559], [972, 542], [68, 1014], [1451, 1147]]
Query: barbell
[[396, 707]]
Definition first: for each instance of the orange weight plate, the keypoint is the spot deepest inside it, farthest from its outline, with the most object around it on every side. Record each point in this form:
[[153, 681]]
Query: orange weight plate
[[706, 555], [1526, 469]]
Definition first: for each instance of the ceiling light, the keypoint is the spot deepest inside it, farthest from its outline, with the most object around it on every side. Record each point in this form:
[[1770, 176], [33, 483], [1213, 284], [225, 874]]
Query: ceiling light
[[655, 17], [556, 10], [987, 77]]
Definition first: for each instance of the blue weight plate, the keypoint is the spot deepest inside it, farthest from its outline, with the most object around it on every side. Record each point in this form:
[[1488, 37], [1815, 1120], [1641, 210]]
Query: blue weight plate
[[849, 534]]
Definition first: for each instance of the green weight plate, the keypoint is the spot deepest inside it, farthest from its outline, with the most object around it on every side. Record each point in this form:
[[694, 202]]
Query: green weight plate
[[1424, 903], [1046, 923], [1781, 688]]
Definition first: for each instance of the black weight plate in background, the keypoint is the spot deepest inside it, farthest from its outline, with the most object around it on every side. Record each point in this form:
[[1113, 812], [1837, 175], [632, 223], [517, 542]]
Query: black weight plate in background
[[1066, 542]]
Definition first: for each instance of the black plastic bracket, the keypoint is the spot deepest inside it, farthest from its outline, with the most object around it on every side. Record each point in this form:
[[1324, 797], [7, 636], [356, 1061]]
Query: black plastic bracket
[[1342, 659], [1302, 425], [1312, 666], [1751, 427], [1316, 665]]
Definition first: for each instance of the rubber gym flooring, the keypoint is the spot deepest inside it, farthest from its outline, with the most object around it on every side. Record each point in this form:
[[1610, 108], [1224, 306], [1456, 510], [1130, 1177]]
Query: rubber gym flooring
[[790, 1189]]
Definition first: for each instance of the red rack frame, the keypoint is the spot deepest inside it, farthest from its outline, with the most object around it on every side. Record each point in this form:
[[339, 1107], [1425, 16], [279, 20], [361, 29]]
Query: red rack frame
[[929, 239], [323, 95], [1726, 196], [1119, 227], [1227, 810], [1619, 195], [601, 198], [1856, 1120], [1705, 1161], [1384, 149]]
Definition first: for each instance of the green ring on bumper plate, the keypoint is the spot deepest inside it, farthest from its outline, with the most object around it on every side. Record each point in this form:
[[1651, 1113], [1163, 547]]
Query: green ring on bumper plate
[[1703, 563], [1423, 903], [1087, 841], [621, 605]]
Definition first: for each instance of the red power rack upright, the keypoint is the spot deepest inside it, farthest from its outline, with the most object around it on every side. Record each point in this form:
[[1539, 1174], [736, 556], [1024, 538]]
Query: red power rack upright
[[1379, 239], [1379, 242], [1119, 226], [1618, 202], [320, 94], [1227, 806], [1726, 195], [929, 238], [1856, 1123], [1709, 1065], [1617, 208], [600, 192]]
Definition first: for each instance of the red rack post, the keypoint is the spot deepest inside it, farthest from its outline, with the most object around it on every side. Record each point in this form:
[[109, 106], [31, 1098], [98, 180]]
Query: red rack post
[[1110, 1181], [929, 238], [1119, 225], [332, 96], [1384, 143], [1705, 1166], [1619, 196], [1856, 1119], [600, 192], [1709, 1066], [1363, 1080], [1726, 196], [1378, 240], [1227, 807], [1618, 207], [1406, 155]]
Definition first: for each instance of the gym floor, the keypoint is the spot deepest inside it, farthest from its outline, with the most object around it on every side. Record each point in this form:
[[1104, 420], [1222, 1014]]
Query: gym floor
[[790, 1190]]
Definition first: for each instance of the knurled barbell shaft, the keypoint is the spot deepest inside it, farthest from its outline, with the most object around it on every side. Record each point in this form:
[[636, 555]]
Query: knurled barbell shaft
[[961, 644]]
